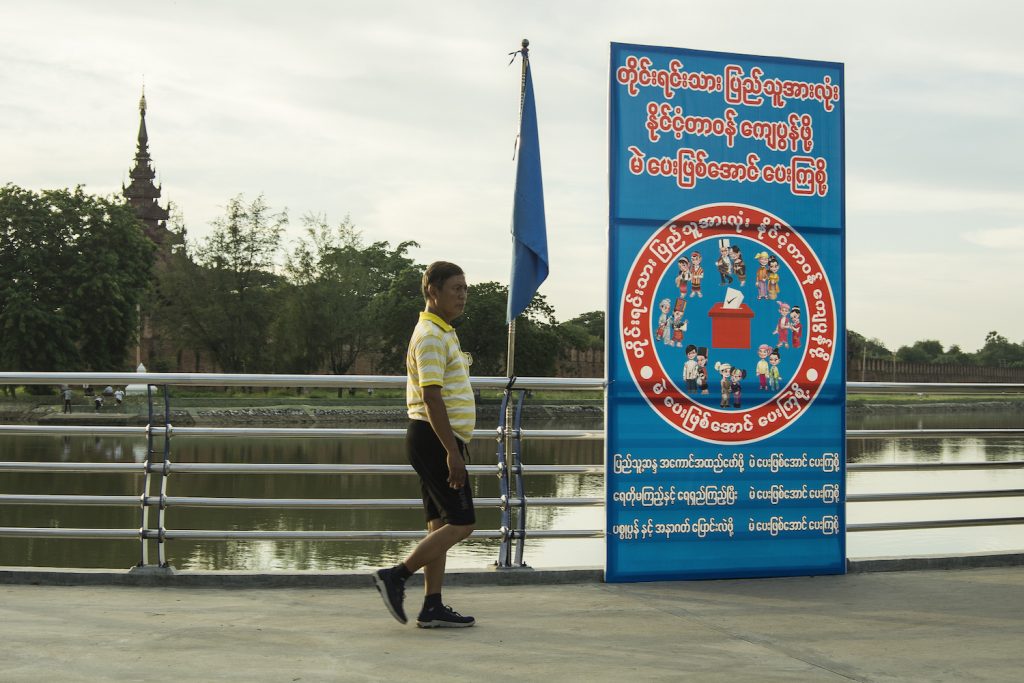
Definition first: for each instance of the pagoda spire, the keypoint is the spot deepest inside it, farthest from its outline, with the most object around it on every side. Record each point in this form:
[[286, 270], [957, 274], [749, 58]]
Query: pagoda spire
[[142, 193], [143, 135]]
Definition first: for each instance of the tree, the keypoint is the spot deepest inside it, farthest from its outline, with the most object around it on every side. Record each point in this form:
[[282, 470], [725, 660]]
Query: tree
[[927, 351], [999, 351], [395, 312], [221, 294], [340, 297], [73, 268], [858, 347], [483, 332], [955, 356], [585, 332]]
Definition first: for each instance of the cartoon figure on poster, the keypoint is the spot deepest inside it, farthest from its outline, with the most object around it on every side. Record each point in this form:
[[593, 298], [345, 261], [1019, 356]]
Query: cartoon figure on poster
[[762, 365], [795, 328], [696, 274], [737, 376], [761, 277], [683, 279], [773, 278], [690, 369], [724, 262], [782, 327], [774, 376], [702, 370], [664, 331], [738, 266], [726, 382], [678, 323]]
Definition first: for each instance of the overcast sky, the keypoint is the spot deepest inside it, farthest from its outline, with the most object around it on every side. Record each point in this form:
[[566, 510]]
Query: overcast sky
[[402, 115]]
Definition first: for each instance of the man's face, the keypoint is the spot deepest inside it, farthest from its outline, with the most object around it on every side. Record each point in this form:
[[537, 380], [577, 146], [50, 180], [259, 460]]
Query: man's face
[[449, 300]]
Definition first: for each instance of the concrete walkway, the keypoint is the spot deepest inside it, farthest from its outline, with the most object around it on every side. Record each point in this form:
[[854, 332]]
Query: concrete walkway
[[954, 625]]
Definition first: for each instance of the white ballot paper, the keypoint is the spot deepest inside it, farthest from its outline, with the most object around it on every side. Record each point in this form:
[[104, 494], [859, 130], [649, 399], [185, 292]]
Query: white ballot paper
[[733, 298]]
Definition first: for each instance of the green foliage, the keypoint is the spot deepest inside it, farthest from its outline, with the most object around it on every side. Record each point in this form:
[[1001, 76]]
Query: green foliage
[[858, 347], [585, 332], [927, 351], [342, 297], [395, 313], [998, 351], [483, 332], [73, 268], [222, 297]]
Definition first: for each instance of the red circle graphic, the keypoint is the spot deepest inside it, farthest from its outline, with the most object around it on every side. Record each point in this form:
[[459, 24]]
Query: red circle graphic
[[638, 302]]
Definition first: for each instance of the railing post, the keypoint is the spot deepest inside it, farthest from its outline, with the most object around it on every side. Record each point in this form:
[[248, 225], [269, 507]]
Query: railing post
[[504, 549], [517, 455], [145, 533], [165, 474], [144, 516]]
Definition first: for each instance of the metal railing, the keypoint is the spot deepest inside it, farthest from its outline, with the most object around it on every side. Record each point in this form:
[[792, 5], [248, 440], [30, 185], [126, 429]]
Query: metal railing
[[512, 502]]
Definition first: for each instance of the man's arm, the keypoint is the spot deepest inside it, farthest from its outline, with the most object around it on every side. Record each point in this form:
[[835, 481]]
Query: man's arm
[[437, 414]]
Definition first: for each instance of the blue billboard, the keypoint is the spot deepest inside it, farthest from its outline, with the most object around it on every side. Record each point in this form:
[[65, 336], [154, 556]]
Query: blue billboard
[[725, 415]]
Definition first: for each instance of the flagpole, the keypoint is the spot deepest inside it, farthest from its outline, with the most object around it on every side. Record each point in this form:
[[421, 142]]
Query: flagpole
[[510, 354]]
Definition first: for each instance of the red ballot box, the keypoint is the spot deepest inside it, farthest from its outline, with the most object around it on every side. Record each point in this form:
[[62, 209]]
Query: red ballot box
[[730, 327]]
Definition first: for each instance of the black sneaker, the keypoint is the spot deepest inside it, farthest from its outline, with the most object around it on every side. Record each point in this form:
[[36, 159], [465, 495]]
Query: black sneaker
[[392, 590], [442, 617]]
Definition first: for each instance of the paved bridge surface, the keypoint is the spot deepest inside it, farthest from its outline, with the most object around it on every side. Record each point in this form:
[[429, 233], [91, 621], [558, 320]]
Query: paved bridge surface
[[934, 625]]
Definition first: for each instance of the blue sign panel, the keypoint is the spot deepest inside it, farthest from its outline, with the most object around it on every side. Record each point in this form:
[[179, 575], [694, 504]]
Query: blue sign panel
[[726, 346]]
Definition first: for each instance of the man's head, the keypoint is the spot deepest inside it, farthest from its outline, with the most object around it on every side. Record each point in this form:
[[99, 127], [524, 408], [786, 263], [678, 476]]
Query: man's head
[[444, 289]]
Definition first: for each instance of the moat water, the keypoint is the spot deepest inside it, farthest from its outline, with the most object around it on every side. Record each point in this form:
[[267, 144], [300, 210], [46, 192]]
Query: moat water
[[474, 553]]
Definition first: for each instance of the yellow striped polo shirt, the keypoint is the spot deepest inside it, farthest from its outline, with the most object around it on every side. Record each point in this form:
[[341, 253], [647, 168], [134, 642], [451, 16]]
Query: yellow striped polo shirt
[[436, 359]]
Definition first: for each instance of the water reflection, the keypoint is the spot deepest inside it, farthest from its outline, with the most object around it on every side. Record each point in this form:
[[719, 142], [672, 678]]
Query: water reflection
[[353, 555]]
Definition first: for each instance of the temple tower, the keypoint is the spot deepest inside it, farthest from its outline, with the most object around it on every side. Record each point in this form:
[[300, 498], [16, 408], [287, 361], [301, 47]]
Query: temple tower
[[143, 194]]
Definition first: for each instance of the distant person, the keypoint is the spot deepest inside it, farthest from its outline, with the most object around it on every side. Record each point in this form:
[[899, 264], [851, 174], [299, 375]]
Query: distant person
[[98, 402], [68, 395], [442, 417], [87, 389], [119, 397], [108, 391]]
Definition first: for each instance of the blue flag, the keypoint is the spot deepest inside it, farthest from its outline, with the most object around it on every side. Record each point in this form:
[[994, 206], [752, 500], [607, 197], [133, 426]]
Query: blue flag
[[529, 232]]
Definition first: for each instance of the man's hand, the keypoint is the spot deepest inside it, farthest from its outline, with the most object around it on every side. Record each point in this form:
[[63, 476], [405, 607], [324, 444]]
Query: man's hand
[[456, 470]]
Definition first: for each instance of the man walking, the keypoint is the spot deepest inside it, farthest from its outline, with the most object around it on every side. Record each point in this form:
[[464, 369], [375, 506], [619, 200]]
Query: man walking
[[442, 415]]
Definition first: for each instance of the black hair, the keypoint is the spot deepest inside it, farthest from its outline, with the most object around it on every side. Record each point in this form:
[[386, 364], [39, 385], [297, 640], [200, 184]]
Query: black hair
[[437, 273]]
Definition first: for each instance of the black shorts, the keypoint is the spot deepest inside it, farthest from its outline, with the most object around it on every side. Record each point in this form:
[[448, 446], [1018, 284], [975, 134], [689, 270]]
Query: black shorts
[[429, 458]]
